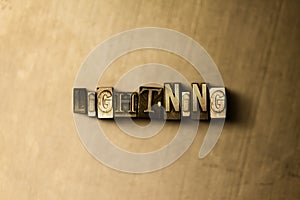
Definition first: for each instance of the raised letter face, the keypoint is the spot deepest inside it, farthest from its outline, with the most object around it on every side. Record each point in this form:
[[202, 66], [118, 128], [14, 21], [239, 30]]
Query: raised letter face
[[217, 102], [104, 102], [91, 104], [199, 104], [79, 100], [186, 111], [150, 102], [172, 101], [125, 104]]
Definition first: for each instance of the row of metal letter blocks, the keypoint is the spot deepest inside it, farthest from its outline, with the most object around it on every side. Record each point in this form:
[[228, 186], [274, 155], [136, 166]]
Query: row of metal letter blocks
[[168, 102]]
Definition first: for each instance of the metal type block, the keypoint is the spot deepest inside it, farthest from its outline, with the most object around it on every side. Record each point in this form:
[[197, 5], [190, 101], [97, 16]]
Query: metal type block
[[217, 102], [80, 100], [125, 104], [199, 101], [91, 104], [172, 101], [186, 104], [105, 103], [150, 102]]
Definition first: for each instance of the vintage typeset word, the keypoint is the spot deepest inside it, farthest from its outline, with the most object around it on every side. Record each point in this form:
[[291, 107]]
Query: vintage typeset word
[[168, 102]]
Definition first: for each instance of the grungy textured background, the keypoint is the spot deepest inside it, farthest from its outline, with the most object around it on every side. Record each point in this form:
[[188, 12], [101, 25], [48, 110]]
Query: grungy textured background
[[256, 47]]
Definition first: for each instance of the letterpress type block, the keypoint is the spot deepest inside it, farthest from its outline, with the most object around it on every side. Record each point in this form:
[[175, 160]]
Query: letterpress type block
[[125, 104], [105, 102], [79, 100], [91, 104], [172, 101], [199, 101], [150, 102], [217, 102], [186, 104]]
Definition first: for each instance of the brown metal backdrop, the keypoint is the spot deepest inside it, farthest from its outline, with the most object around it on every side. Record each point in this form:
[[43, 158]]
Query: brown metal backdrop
[[256, 47]]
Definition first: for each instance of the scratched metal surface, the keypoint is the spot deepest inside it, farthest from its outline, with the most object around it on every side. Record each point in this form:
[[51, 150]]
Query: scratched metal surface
[[256, 47]]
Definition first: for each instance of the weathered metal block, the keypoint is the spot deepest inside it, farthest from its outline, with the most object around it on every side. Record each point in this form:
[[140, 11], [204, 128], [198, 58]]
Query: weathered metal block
[[105, 102], [185, 102], [150, 102], [79, 100], [199, 101], [217, 102], [125, 104], [172, 98], [91, 104]]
